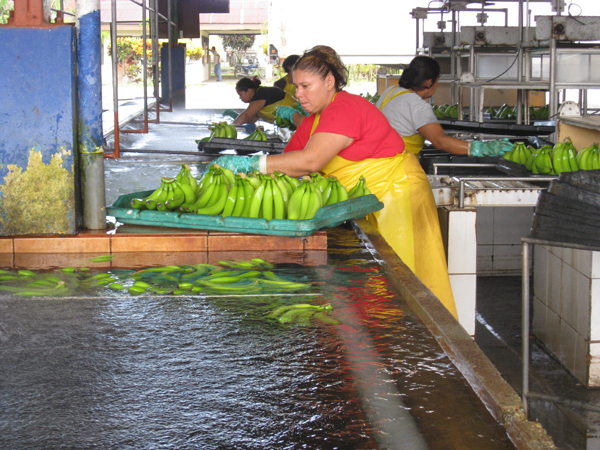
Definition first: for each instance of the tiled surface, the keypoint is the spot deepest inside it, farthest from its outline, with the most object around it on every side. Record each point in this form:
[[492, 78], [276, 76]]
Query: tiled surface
[[464, 289], [132, 243], [223, 242], [6, 246], [62, 245], [462, 242], [135, 246], [567, 308]]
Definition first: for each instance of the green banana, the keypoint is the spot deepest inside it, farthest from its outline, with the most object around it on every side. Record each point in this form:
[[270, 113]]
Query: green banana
[[153, 198], [314, 202], [205, 197], [240, 200], [205, 181], [326, 193], [248, 194], [216, 206], [176, 196], [254, 180], [294, 204], [333, 194], [358, 190], [306, 198], [231, 199], [257, 199], [138, 203], [227, 173], [161, 203], [185, 177], [279, 199], [267, 203], [342, 191]]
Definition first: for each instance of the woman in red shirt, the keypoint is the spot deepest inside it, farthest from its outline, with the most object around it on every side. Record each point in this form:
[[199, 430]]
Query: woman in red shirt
[[346, 136]]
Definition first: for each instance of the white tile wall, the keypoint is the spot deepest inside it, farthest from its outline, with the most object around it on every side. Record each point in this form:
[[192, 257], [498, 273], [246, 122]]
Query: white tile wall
[[566, 316], [464, 288], [595, 309], [594, 369]]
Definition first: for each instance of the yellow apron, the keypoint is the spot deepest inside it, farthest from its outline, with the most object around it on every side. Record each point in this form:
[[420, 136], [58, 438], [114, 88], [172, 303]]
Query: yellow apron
[[415, 142], [267, 113], [409, 221]]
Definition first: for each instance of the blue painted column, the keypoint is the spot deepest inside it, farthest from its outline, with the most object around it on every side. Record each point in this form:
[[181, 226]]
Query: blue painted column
[[89, 81], [38, 139]]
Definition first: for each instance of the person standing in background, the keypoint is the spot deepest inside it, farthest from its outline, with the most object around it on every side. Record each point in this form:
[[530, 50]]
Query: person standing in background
[[217, 58]]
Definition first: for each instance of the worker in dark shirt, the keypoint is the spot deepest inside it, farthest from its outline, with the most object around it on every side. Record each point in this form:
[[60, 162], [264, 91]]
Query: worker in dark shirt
[[262, 101]]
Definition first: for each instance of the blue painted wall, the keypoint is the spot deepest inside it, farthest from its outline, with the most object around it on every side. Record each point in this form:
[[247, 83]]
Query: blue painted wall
[[177, 75], [38, 119]]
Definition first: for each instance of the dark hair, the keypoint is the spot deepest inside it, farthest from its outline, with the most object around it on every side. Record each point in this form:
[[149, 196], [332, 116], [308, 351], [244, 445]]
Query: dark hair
[[420, 69], [289, 62], [323, 60], [246, 83]]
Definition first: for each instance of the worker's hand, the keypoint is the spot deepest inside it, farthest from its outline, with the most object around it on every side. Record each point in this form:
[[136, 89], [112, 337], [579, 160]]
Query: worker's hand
[[286, 113], [230, 113], [490, 148], [237, 163]]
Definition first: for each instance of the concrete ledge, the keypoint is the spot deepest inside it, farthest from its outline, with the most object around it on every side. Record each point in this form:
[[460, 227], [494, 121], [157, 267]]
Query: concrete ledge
[[499, 397]]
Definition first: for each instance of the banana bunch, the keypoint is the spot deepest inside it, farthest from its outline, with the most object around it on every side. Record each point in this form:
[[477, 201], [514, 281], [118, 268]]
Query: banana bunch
[[542, 162], [212, 192], [302, 313], [305, 201], [172, 193], [589, 158], [446, 111], [564, 157], [359, 189], [519, 154], [257, 135], [222, 130], [332, 191]]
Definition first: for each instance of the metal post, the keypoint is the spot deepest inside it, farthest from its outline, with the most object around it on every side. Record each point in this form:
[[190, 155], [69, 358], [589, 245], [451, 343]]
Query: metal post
[[90, 114], [115, 77], [525, 325]]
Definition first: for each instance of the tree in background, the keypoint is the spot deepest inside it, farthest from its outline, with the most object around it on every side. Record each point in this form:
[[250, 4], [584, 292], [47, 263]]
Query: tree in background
[[6, 6], [237, 43]]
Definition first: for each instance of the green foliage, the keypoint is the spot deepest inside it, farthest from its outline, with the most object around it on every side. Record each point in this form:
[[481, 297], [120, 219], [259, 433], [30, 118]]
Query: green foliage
[[130, 54], [237, 43], [5, 7], [39, 200], [362, 72]]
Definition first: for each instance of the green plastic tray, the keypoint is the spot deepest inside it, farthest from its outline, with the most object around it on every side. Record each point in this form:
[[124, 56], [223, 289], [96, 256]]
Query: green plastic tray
[[327, 217]]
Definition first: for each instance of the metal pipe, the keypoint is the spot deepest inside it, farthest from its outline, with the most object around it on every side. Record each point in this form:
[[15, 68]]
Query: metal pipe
[[462, 181], [144, 72], [89, 90], [115, 79], [525, 326], [553, 93]]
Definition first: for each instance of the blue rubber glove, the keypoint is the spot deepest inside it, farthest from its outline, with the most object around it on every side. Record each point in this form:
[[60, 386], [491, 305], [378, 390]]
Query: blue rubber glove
[[237, 163], [286, 113], [249, 127], [490, 148], [300, 109]]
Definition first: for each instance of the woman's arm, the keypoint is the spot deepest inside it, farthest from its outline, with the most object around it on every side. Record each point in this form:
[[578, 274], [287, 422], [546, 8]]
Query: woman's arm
[[434, 133], [319, 150], [250, 115]]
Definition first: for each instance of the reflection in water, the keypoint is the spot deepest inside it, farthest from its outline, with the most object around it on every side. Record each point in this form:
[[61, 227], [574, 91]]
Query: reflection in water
[[210, 372]]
